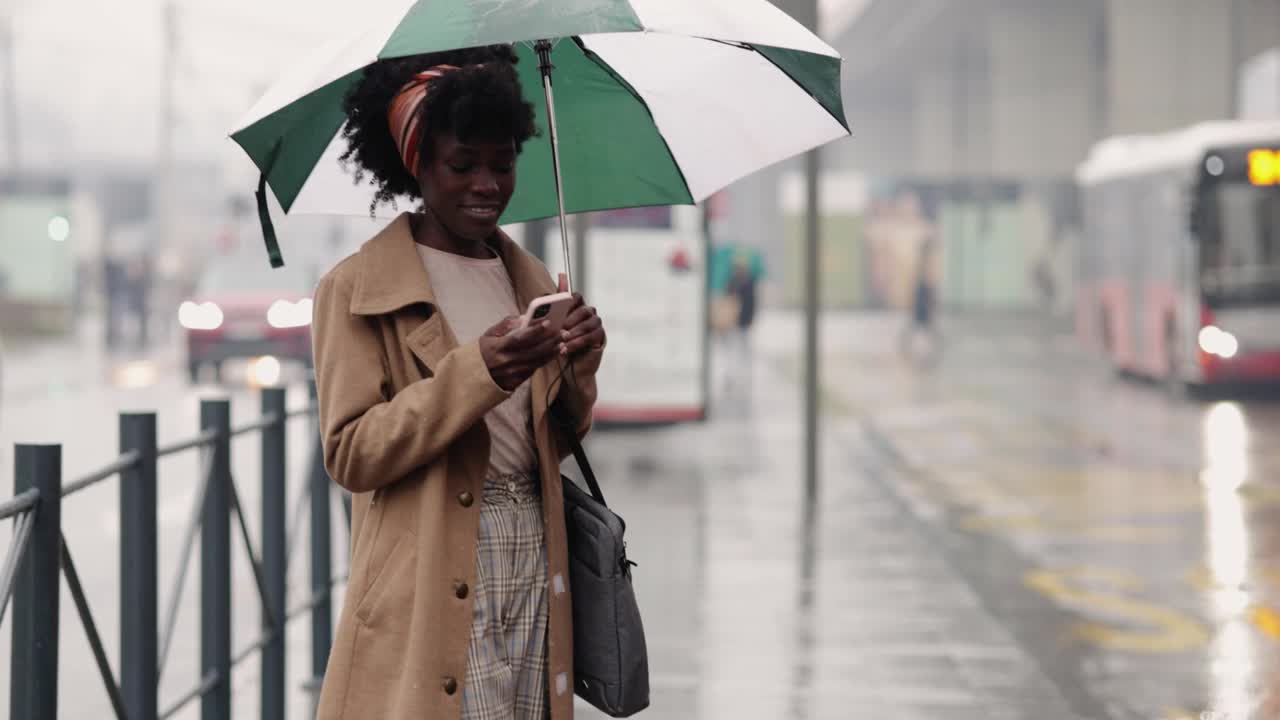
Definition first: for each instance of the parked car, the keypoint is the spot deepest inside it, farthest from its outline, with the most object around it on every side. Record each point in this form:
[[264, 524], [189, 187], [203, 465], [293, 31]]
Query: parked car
[[244, 309]]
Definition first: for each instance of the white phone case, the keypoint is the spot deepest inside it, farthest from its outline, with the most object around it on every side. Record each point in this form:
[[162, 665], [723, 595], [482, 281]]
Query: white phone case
[[557, 310]]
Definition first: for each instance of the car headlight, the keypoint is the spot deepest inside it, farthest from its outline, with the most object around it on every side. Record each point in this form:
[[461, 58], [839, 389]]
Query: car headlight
[[1216, 341], [284, 314], [202, 316]]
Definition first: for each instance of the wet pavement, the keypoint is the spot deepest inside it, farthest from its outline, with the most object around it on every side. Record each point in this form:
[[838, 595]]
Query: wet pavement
[[758, 606], [1014, 533], [1123, 534]]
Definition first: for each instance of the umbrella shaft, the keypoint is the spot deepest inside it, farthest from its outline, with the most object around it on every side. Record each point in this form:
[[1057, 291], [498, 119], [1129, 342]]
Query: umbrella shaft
[[543, 48]]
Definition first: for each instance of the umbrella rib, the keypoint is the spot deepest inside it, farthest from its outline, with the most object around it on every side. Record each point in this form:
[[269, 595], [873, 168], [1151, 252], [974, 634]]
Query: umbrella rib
[[731, 43]]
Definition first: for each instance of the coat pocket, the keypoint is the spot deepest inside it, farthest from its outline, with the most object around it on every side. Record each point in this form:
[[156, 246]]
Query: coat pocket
[[392, 582]]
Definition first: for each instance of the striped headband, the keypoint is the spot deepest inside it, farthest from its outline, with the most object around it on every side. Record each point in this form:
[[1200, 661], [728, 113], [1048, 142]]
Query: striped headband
[[405, 118]]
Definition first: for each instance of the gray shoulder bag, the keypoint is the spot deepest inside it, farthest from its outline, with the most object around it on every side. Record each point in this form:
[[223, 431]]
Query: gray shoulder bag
[[610, 659]]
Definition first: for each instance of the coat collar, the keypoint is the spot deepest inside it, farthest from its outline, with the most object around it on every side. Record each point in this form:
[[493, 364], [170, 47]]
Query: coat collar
[[393, 277]]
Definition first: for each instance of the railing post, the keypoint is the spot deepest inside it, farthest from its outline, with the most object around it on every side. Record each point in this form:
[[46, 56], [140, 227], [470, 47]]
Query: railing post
[[274, 569], [139, 579], [33, 692], [321, 562], [215, 565]]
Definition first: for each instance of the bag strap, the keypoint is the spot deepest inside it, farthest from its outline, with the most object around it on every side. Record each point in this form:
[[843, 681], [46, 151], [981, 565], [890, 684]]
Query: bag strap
[[569, 425], [585, 465]]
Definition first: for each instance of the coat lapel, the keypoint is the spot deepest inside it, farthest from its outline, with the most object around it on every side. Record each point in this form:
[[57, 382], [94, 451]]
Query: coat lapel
[[393, 278]]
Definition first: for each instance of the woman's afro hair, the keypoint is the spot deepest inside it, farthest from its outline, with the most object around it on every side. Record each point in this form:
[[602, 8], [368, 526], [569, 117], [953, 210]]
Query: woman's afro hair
[[480, 101]]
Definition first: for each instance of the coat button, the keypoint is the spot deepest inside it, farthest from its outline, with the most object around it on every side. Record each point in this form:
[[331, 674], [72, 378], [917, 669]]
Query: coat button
[[465, 499], [450, 685], [461, 590]]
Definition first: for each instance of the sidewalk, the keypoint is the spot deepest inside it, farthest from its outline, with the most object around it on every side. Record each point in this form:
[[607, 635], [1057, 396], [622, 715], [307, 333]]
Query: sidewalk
[[752, 612]]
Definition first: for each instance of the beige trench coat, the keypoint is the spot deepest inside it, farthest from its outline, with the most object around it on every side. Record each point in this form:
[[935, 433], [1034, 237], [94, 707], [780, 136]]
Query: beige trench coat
[[401, 410]]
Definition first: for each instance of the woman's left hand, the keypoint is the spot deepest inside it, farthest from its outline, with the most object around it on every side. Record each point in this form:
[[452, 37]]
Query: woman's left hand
[[583, 329]]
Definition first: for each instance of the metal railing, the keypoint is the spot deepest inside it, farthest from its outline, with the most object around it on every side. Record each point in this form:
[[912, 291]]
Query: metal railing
[[39, 553]]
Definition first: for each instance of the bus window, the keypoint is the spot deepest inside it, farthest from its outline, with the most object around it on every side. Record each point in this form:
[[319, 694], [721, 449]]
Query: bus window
[[1242, 258]]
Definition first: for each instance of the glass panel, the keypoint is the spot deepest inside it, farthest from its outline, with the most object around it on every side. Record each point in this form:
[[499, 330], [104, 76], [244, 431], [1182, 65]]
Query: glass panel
[[1243, 255]]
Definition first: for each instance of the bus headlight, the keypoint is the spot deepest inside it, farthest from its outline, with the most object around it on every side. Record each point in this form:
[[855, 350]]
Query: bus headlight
[[1216, 341]]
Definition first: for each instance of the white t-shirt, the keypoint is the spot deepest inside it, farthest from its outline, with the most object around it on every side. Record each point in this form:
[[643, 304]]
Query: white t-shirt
[[475, 295]]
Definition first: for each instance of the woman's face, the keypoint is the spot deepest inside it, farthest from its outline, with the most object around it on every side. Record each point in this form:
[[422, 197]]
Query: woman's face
[[467, 186]]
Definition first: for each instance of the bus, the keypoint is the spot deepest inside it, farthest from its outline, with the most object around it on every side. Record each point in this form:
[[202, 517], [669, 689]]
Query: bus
[[1179, 264], [645, 270]]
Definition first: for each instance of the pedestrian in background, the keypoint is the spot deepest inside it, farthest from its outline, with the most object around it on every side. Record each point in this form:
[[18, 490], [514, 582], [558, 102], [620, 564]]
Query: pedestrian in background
[[742, 288], [139, 279], [435, 412], [924, 307]]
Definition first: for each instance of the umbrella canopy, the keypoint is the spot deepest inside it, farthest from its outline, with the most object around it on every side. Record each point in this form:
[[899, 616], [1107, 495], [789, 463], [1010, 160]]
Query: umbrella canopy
[[658, 102]]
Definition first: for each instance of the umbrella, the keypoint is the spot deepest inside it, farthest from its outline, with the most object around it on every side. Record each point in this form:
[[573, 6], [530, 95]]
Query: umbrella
[[654, 102]]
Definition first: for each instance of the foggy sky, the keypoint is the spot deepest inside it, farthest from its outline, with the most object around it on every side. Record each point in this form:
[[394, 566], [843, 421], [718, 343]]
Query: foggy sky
[[89, 73]]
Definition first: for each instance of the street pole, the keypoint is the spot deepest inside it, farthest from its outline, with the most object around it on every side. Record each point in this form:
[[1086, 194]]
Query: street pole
[[7, 61], [1237, 55], [162, 196], [156, 284], [806, 12], [812, 168]]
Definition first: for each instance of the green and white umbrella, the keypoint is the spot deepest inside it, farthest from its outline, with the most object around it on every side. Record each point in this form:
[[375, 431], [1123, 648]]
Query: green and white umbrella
[[656, 102]]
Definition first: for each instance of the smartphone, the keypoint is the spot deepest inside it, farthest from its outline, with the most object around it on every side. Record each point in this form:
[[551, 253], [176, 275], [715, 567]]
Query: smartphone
[[551, 308]]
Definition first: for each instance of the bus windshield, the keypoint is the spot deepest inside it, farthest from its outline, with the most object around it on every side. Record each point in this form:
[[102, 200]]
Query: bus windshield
[[1241, 255]]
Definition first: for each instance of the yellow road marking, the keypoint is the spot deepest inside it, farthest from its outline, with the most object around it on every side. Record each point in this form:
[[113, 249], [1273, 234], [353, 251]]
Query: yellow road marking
[[1132, 534], [998, 523], [1115, 534], [1266, 620], [1171, 631]]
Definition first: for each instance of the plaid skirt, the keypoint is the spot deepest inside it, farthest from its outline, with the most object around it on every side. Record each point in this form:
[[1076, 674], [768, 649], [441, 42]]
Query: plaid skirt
[[507, 660]]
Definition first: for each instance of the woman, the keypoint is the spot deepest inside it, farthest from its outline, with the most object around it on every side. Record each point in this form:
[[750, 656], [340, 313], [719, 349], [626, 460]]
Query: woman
[[436, 412]]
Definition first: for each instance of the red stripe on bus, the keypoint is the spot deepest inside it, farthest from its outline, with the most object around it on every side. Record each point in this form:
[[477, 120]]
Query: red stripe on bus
[[1250, 366], [649, 414]]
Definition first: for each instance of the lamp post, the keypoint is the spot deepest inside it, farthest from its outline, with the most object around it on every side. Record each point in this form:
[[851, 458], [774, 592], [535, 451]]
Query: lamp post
[[9, 80], [806, 12]]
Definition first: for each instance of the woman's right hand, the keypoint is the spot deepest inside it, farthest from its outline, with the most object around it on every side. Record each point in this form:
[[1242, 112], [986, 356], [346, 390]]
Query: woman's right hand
[[512, 354]]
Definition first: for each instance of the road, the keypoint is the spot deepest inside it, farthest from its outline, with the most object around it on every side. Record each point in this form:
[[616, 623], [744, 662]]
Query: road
[[1015, 533], [1124, 535]]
